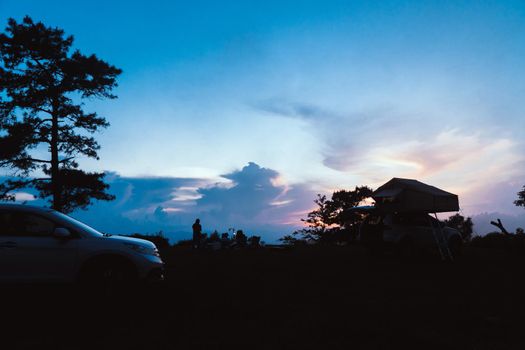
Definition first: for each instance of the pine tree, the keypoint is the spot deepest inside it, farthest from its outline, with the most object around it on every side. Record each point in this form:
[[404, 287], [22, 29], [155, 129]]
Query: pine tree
[[42, 85]]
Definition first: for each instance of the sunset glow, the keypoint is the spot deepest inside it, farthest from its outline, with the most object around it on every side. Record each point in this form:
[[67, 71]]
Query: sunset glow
[[241, 116]]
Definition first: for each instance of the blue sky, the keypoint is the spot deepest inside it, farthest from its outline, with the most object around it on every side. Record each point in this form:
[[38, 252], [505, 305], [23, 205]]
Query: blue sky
[[319, 95]]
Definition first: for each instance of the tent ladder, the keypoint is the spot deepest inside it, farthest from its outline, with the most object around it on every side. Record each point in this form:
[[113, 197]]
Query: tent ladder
[[441, 240]]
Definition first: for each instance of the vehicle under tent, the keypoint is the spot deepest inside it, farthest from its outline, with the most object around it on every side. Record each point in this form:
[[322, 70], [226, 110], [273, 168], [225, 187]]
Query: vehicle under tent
[[402, 205]]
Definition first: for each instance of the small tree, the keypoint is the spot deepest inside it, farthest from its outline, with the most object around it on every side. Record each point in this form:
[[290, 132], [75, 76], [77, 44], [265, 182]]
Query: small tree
[[42, 86], [343, 200], [331, 221], [462, 224], [318, 220], [520, 202]]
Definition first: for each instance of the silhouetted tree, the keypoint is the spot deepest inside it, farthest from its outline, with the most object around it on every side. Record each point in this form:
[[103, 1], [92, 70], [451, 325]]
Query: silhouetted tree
[[241, 239], [499, 225], [319, 221], [342, 201], [520, 202], [331, 220], [462, 224], [42, 86]]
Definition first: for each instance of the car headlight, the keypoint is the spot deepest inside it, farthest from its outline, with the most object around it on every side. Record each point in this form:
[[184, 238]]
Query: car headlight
[[143, 249]]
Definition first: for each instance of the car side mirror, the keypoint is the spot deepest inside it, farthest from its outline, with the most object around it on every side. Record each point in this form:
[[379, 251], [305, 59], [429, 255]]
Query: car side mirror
[[61, 232]]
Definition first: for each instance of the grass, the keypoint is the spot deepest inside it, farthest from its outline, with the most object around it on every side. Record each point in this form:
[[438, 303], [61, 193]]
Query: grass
[[306, 298]]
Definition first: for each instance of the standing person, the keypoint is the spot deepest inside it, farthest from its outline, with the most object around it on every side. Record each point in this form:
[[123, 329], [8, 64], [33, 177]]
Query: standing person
[[197, 232]]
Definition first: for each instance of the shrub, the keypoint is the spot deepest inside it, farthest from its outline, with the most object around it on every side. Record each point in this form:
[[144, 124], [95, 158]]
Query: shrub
[[495, 240]]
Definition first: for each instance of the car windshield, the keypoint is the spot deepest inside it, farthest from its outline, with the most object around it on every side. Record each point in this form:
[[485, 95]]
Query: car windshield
[[76, 224]]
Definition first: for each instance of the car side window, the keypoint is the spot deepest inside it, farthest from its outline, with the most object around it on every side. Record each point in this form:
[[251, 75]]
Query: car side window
[[33, 225]]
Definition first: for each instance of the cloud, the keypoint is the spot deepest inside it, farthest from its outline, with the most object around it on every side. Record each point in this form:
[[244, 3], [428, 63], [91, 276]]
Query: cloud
[[250, 193], [145, 193], [351, 137], [138, 204], [482, 221], [254, 198], [287, 108], [24, 197], [459, 153]]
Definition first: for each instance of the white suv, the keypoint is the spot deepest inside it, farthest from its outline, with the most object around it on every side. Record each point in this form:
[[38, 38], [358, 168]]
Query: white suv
[[39, 244]]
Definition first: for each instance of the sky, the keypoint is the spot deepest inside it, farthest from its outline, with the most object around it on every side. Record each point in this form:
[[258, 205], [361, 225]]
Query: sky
[[239, 112]]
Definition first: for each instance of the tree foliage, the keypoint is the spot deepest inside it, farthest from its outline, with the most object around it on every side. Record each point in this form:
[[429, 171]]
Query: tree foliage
[[462, 224], [520, 202], [331, 221], [42, 86]]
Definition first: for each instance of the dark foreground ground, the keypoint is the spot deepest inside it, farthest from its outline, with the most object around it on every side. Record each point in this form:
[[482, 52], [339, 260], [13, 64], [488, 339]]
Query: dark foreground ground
[[309, 298]]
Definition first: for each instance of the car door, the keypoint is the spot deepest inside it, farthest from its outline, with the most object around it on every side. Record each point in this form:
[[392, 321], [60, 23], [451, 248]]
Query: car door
[[422, 228], [414, 226], [32, 253], [7, 246]]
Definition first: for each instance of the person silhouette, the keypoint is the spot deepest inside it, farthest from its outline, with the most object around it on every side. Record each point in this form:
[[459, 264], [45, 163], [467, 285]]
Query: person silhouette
[[197, 232]]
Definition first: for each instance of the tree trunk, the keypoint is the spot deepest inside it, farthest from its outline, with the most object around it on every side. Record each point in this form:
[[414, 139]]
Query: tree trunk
[[56, 184]]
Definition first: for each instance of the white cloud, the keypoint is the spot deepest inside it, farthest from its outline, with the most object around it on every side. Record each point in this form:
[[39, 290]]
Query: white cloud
[[370, 148], [253, 198], [24, 196]]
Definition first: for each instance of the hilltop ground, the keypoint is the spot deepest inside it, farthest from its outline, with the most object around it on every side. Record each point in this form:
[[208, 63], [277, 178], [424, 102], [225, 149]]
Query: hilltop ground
[[308, 298]]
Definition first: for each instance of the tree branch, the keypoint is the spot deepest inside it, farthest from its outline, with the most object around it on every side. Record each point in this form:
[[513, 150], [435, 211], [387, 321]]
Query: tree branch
[[43, 110], [65, 160], [39, 160], [499, 225], [42, 121], [7, 162]]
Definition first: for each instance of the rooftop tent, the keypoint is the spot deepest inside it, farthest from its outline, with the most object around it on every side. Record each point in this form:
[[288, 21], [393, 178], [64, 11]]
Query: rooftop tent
[[406, 195]]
